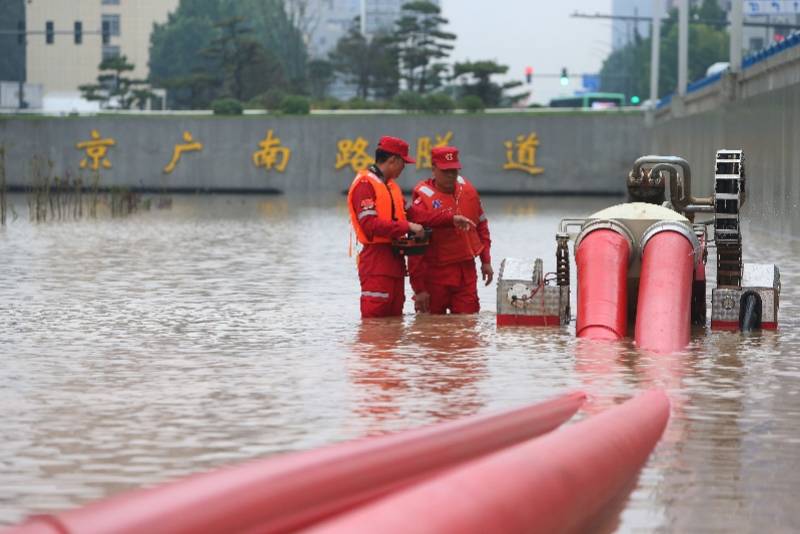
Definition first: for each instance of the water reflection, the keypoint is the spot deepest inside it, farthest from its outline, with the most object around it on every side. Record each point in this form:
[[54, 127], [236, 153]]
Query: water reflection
[[395, 364]]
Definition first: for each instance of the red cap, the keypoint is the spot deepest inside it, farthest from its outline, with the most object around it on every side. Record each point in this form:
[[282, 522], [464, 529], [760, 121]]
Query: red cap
[[445, 157], [396, 146]]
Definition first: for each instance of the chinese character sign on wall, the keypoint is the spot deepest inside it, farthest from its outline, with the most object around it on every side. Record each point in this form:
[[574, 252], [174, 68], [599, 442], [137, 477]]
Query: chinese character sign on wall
[[521, 154], [189, 145], [96, 151], [271, 154], [354, 153]]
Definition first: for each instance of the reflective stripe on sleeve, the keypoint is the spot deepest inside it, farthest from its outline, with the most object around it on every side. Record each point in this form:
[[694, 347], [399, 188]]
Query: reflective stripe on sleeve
[[375, 294], [367, 212], [427, 190]]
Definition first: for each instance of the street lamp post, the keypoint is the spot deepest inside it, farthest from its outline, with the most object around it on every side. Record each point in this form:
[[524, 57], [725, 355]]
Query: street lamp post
[[655, 51], [364, 18], [683, 46], [736, 37]]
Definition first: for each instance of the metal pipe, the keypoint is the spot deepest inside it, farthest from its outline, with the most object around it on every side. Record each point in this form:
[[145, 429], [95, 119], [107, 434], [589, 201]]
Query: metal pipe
[[700, 208], [686, 172], [566, 223]]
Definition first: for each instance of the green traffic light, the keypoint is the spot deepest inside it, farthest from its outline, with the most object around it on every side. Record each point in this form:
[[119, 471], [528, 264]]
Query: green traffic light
[[564, 80], [635, 100]]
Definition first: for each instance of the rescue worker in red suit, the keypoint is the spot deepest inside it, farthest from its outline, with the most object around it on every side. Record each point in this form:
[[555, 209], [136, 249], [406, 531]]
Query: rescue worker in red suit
[[378, 215], [444, 278]]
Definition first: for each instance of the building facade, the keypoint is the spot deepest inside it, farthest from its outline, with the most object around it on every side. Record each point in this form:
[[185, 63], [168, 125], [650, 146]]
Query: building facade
[[65, 41]]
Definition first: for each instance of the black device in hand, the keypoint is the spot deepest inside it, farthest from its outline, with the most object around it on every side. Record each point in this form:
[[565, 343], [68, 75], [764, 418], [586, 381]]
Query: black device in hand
[[411, 245]]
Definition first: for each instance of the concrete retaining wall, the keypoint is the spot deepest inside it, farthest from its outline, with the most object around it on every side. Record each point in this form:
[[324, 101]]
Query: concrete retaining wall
[[767, 128], [577, 153]]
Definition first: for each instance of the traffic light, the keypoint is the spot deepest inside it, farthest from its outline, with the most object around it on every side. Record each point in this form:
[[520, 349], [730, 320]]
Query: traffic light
[[78, 33], [529, 74], [564, 76], [49, 32], [635, 100], [106, 32]]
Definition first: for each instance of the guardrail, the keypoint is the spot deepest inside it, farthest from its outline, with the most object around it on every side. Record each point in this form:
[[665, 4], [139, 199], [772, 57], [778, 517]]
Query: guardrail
[[791, 41]]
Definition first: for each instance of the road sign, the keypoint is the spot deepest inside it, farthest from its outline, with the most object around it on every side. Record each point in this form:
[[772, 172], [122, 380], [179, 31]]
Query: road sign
[[591, 82]]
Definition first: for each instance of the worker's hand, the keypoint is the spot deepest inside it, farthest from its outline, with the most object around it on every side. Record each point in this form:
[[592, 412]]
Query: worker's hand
[[416, 229], [422, 302], [487, 272], [462, 223]]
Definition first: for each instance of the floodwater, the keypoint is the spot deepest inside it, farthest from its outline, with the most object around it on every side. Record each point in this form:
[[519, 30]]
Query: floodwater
[[139, 349]]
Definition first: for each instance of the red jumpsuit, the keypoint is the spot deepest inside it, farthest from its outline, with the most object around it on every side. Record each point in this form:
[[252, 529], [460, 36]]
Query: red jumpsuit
[[452, 285], [380, 269]]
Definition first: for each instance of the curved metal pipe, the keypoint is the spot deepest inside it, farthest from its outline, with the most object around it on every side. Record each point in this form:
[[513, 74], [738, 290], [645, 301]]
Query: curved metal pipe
[[685, 169]]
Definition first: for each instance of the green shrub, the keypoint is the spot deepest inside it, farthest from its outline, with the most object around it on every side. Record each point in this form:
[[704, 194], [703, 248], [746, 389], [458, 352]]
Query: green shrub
[[409, 101], [361, 103], [439, 103], [272, 99], [471, 103], [295, 105], [327, 103], [227, 106]]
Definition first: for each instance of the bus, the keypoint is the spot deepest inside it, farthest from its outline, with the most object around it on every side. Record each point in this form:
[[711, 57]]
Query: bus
[[590, 101]]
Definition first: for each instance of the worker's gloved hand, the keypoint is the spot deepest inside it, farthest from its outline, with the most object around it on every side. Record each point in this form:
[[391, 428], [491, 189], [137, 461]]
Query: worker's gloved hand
[[422, 302], [416, 229], [487, 273], [462, 223]]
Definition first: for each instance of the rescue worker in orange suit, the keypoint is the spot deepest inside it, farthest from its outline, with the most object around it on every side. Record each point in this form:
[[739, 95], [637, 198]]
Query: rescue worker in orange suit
[[378, 215], [444, 278]]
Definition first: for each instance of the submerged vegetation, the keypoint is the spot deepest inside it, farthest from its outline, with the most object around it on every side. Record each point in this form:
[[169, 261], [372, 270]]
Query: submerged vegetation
[[61, 198]]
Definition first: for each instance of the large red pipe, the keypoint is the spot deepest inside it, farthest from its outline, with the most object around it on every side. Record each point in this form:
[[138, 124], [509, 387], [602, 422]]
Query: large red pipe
[[664, 308], [561, 482], [602, 260], [284, 493]]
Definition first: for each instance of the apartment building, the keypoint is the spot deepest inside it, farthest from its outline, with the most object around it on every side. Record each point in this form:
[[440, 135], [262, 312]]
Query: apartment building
[[65, 41]]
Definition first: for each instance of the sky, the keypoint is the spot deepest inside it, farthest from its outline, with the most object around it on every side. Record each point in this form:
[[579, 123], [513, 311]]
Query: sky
[[539, 33]]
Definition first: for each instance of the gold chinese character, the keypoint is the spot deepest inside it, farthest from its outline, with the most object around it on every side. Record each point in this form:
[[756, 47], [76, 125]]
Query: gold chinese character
[[525, 154], [354, 153], [424, 148], [96, 150], [189, 146], [270, 152]]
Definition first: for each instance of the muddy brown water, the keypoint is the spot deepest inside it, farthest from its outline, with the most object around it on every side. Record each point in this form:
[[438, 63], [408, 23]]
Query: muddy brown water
[[137, 350]]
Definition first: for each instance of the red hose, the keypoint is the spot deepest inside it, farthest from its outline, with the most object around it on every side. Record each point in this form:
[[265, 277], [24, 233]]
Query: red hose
[[287, 492], [664, 309], [602, 261], [561, 482]]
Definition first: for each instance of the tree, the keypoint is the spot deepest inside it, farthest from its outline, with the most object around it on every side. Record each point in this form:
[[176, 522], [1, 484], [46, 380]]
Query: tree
[[476, 80], [370, 65], [320, 76], [247, 69], [280, 35], [195, 78], [627, 70], [420, 44], [114, 88]]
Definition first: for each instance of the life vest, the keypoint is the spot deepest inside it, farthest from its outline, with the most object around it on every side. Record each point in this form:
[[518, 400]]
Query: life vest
[[449, 244], [388, 205]]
